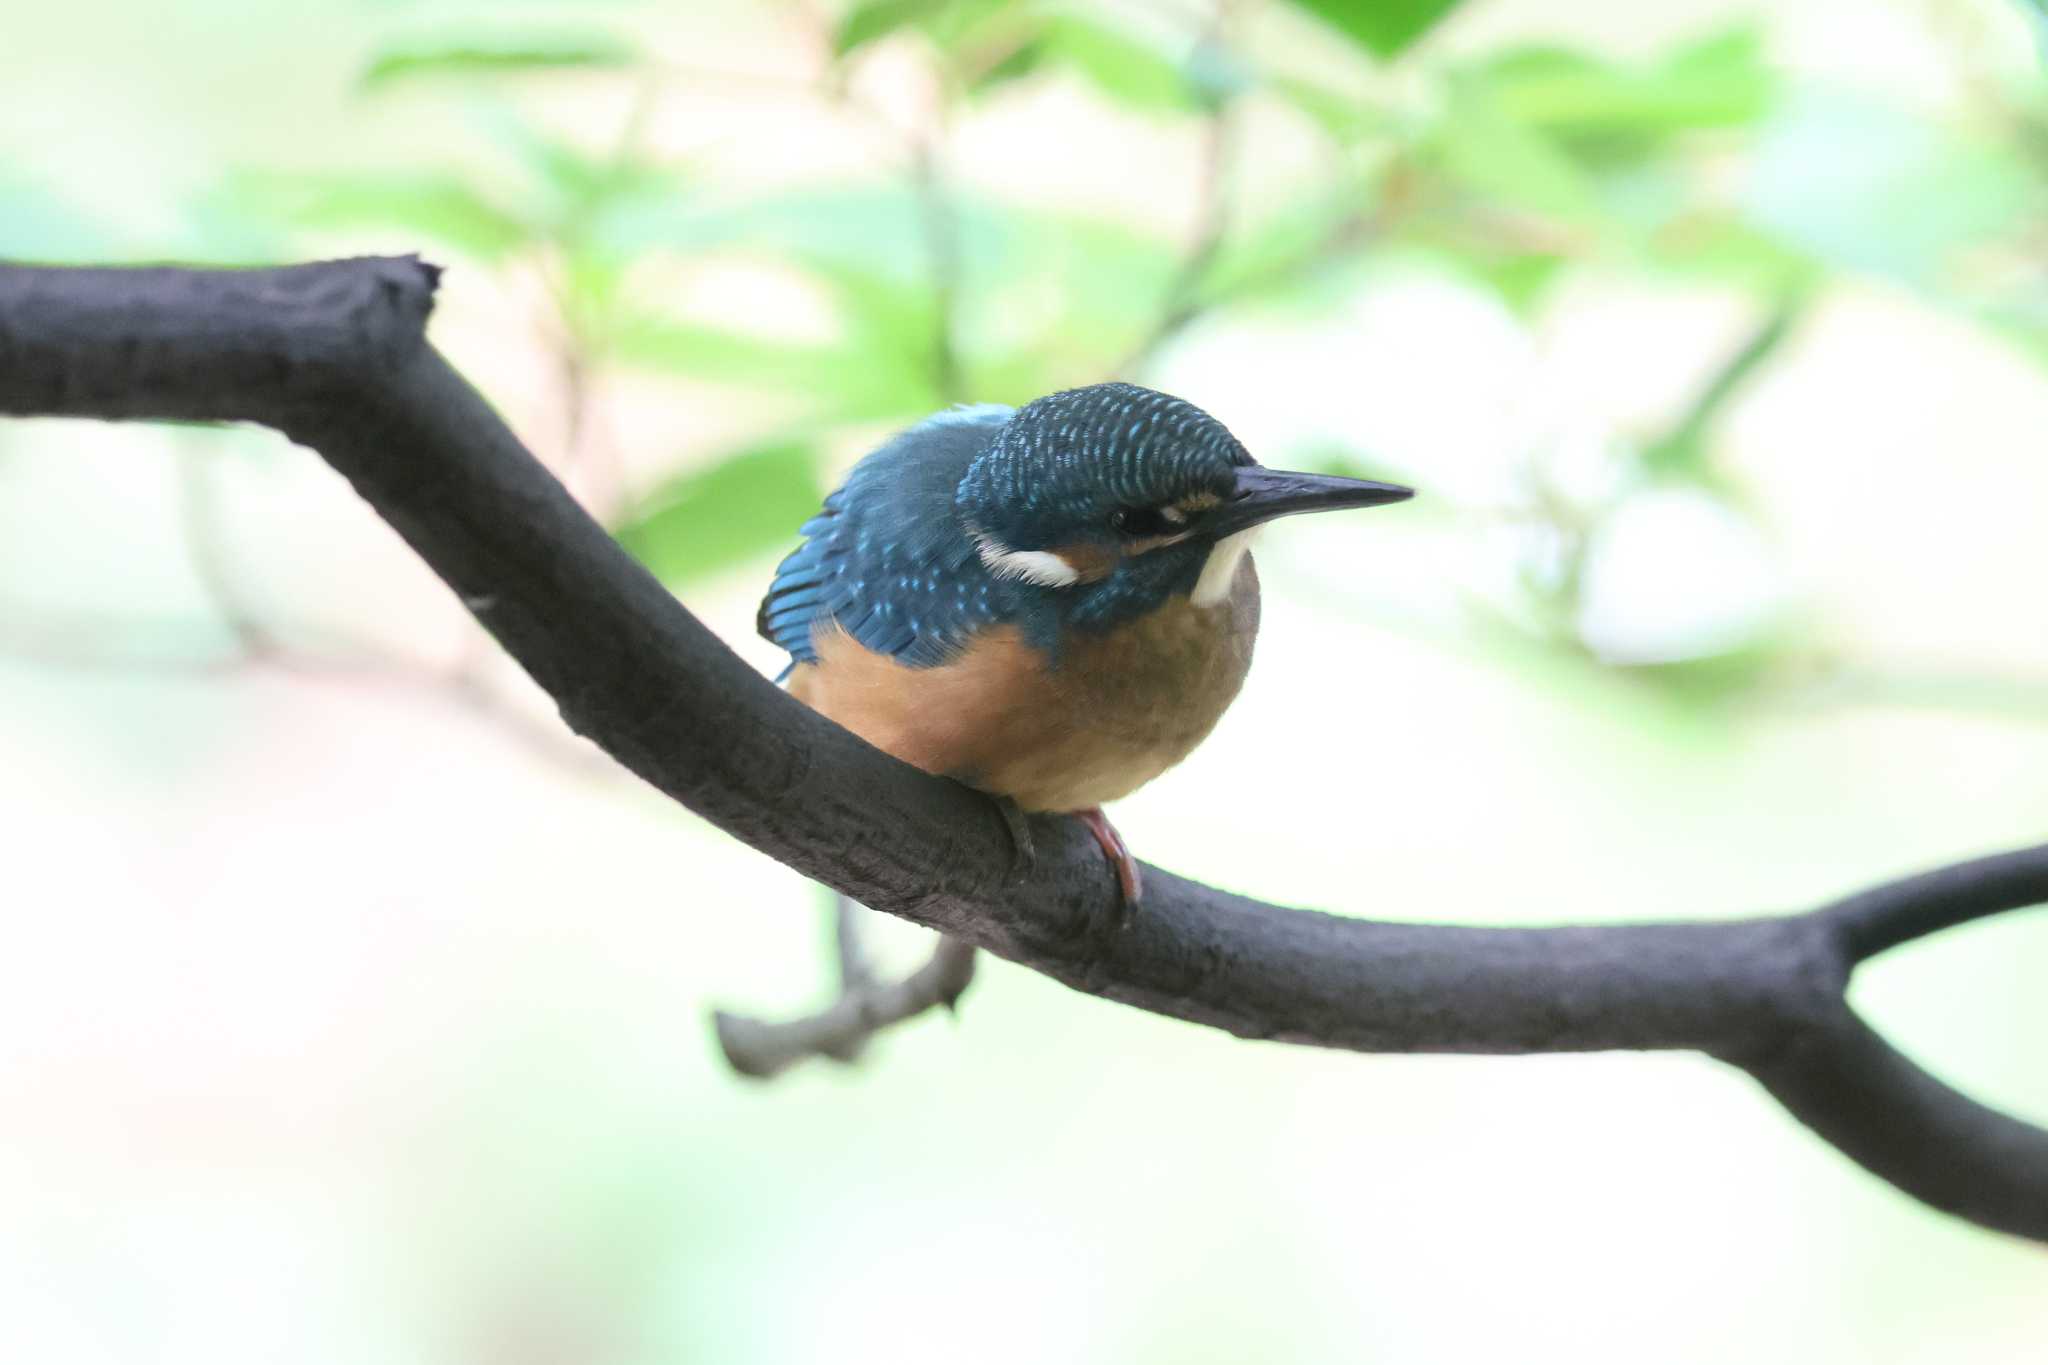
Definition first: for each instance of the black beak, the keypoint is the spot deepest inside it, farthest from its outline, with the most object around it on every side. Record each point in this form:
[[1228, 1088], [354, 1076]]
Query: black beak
[[1263, 494]]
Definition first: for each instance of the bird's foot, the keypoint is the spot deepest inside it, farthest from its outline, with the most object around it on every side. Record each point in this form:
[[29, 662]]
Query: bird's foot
[[1130, 882], [1023, 849]]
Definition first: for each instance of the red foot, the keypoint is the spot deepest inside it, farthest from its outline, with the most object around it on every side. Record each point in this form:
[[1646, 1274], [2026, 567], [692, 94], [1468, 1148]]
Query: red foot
[[1128, 879]]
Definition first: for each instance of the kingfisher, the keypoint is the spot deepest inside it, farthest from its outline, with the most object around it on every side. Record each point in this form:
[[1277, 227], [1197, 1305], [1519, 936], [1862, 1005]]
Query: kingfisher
[[1051, 603]]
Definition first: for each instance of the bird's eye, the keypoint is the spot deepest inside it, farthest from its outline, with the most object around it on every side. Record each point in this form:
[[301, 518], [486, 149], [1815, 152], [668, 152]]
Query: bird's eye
[[1139, 521]]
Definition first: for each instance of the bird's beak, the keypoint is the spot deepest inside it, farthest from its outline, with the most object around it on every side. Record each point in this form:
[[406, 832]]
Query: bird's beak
[[1263, 494]]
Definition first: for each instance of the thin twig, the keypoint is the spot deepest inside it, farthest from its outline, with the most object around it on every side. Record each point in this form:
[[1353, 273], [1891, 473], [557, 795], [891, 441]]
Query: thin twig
[[842, 1030], [865, 1005], [588, 453], [941, 224], [1710, 404], [938, 216], [856, 969], [1182, 301], [89, 646], [206, 549]]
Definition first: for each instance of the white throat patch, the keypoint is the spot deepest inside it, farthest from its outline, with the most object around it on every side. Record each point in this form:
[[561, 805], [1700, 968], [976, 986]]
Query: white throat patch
[[1221, 569]]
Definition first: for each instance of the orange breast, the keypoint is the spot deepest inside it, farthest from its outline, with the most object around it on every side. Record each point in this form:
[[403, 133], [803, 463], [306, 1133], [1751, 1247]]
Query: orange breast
[[1120, 709]]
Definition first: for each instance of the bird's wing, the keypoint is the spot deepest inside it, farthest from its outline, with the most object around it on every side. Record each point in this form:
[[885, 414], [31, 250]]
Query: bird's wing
[[886, 558]]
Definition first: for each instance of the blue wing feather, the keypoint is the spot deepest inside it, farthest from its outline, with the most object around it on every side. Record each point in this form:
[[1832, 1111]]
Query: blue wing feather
[[887, 558]]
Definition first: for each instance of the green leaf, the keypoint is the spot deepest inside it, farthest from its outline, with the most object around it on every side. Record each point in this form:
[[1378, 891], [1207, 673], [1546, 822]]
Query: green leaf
[[576, 193], [469, 55], [880, 229], [1521, 279], [874, 20], [1899, 195], [1122, 65], [962, 28], [1479, 146], [1124, 68], [1602, 111], [1025, 59], [1285, 252], [722, 354], [1386, 28], [1714, 678], [1731, 251], [1344, 117], [708, 520], [843, 381], [1029, 282], [2037, 14]]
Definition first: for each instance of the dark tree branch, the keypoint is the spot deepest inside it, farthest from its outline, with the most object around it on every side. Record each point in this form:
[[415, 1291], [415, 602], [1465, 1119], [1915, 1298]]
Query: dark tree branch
[[1869, 922], [334, 356], [1861, 1094]]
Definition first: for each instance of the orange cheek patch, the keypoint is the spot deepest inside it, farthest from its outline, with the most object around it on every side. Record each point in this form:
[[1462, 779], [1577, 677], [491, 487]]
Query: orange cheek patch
[[1147, 544], [1092, 562]]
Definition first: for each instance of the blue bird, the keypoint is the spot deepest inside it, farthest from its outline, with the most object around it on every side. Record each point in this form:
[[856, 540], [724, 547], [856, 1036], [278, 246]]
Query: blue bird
[[1052, 603]]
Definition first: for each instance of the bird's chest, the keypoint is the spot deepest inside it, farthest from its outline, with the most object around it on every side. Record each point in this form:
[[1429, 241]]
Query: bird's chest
[[1121, 707], [1111, 713], [1164, 679]]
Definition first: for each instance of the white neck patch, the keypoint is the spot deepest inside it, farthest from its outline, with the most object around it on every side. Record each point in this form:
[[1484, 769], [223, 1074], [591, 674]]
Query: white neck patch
[[1042, 567], [1221, 569]]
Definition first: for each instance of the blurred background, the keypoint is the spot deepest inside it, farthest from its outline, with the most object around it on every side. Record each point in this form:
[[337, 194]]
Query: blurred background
[[351, 1010]]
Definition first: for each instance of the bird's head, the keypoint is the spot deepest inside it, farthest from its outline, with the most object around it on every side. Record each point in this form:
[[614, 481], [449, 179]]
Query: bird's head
[[1117, 497]]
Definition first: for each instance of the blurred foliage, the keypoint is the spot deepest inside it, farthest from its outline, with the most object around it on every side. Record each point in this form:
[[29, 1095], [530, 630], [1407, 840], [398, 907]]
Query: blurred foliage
[[486, 54], [1511, 169], [1384, 27], [713, 518]]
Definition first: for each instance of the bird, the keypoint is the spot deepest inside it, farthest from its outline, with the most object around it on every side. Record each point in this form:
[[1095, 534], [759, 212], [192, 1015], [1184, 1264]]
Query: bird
[[1052, 603]]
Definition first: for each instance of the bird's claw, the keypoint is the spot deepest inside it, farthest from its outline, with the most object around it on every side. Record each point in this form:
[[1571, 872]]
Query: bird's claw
[[1130, 881]]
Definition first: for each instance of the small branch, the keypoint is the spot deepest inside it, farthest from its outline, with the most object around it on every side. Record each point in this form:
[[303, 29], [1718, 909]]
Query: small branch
[[334, 356], [1902, 1125], [83, 646], [205, 547], [842, 1030], [856, 971], [1871, 922], [938, 218], [590, 455], [1727, 379], [942, 246], [864, 1007], [1182, 302], [1834, 684], [1346, 234]]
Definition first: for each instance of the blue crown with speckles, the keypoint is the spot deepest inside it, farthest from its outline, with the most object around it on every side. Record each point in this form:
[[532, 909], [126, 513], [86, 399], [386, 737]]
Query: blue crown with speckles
[[1066, 458]]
